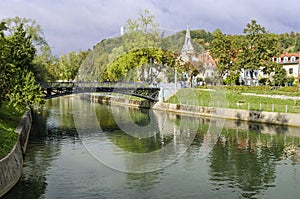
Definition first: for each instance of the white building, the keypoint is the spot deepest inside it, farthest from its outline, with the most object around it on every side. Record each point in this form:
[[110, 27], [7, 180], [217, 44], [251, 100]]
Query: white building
[[290, 62]]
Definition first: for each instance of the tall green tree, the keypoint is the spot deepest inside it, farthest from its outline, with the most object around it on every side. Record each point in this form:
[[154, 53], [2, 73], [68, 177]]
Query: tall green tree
[[225, 50], [258, 48], [252, 51], [31, 27], [3, 54], [69, 65], [44, 60], [45, 65], [17, 80]]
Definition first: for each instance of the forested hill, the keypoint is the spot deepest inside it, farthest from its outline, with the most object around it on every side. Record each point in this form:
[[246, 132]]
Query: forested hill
[[106, 51]]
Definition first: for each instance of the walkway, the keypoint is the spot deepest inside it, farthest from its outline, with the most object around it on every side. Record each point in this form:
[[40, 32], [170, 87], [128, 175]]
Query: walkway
[[284, 97]]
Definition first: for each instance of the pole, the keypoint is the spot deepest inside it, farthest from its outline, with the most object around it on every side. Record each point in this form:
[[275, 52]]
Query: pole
[[175, 79]]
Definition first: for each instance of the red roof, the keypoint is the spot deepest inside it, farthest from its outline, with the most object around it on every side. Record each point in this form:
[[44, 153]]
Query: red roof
[[285, 54]]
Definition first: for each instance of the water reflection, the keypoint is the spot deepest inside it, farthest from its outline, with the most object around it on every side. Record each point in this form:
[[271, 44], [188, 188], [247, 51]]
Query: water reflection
[[240, 160], [153, 144], [246, 160]]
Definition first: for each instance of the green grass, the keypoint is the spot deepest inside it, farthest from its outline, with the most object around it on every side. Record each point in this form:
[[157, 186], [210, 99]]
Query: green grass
[[230, 98], [9, 120]]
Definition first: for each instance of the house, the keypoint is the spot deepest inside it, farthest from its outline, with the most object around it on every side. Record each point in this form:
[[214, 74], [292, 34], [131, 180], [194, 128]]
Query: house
[[290, 62], [208, 64]]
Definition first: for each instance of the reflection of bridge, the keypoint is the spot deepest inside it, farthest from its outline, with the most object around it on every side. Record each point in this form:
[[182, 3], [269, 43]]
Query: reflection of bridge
[[57, 89]]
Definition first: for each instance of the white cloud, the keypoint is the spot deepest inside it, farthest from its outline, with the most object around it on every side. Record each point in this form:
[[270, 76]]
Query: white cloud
[[80, 24]]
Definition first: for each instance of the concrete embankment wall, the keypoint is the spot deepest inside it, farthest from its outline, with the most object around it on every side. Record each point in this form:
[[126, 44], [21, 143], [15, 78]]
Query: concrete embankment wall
[[117, 100], [288, 119], [11, 166], [234, 114]]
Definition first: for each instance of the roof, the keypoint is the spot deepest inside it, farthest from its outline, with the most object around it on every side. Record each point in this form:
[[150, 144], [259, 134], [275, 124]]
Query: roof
[[285, 54]]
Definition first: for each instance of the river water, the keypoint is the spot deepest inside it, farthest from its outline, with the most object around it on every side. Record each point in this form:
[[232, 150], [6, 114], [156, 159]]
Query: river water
[[79, 149]]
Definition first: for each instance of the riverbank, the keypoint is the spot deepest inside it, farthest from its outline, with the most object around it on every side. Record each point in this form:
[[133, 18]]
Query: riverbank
[[117, 100], [237, 99], [12, 164], [288, 119]]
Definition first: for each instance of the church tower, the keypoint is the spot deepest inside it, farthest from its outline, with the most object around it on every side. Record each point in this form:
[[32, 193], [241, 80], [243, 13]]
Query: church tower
[[188, 52], [187, 46]]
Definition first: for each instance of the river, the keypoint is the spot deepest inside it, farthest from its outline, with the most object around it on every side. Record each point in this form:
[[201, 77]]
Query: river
[[79, 149]]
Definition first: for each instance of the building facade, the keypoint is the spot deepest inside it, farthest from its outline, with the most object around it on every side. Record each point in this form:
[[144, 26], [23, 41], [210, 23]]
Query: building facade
[[290, 62]]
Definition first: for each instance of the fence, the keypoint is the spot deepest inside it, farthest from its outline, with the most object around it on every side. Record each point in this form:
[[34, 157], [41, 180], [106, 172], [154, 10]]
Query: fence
[[241, 104]]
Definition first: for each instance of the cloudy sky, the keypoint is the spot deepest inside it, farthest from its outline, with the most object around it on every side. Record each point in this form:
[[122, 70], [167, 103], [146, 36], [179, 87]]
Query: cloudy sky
[[79, 24]]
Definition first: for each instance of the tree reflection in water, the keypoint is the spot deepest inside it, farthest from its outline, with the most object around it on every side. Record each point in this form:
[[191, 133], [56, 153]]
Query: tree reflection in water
[[246, 160]]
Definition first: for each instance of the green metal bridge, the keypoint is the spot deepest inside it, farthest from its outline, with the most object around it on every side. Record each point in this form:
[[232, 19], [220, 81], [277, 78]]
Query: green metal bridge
[[142, 90]]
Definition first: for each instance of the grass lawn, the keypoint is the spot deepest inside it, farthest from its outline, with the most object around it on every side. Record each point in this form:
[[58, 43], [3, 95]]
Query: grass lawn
[[9, 120], [233, 98]]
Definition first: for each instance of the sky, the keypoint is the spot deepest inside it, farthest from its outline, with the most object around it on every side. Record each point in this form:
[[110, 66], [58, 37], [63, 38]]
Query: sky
[[73, 25]]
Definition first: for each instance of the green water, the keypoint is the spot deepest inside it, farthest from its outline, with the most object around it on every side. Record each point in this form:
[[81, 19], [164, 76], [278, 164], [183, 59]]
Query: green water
[[82, 150]]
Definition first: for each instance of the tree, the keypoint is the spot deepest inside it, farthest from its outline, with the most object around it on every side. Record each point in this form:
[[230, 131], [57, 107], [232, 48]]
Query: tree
[[142, 64], [258, 48], [44, 60], [17, 81], [225, 49], [192, 68], [280, 76], [3, 54], [45, 65], [30, 27], [26, 92], [297, 45], [252, 51], [22, 51], [141, 33], [69, 64]]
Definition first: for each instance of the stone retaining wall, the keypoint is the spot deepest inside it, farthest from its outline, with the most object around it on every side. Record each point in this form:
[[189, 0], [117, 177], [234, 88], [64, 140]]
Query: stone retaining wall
[[11, 166], [289, 119], [117, 100]]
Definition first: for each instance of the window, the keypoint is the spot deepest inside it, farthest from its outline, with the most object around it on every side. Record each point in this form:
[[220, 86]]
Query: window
[[278, 60], [291, 71], [293, 59], [285, 59]]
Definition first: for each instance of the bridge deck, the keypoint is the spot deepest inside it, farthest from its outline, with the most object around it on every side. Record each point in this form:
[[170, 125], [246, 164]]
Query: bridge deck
[[56, 89]]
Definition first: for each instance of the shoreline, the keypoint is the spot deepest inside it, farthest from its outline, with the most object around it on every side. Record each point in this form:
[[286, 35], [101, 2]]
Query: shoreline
[[276, 118], [11, 166]]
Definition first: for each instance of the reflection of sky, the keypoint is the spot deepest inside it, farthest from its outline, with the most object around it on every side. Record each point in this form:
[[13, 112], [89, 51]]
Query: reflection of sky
[[111, 150]]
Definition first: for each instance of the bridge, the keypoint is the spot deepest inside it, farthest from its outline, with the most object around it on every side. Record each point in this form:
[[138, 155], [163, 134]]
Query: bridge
[[142, 90]]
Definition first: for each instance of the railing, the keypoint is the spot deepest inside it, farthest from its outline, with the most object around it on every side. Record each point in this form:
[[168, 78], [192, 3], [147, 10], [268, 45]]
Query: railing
[[282, 108], [96, 84], [143, 90]]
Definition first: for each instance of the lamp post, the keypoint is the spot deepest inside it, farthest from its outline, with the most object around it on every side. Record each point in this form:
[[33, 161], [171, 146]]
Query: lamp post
[[175, 79]]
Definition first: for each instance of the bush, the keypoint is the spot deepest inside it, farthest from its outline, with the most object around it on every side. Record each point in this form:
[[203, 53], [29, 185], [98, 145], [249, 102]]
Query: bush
[[264, 81], [291, 89]]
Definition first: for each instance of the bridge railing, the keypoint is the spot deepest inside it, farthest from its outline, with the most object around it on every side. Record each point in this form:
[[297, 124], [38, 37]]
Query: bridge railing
[[96, 84]]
